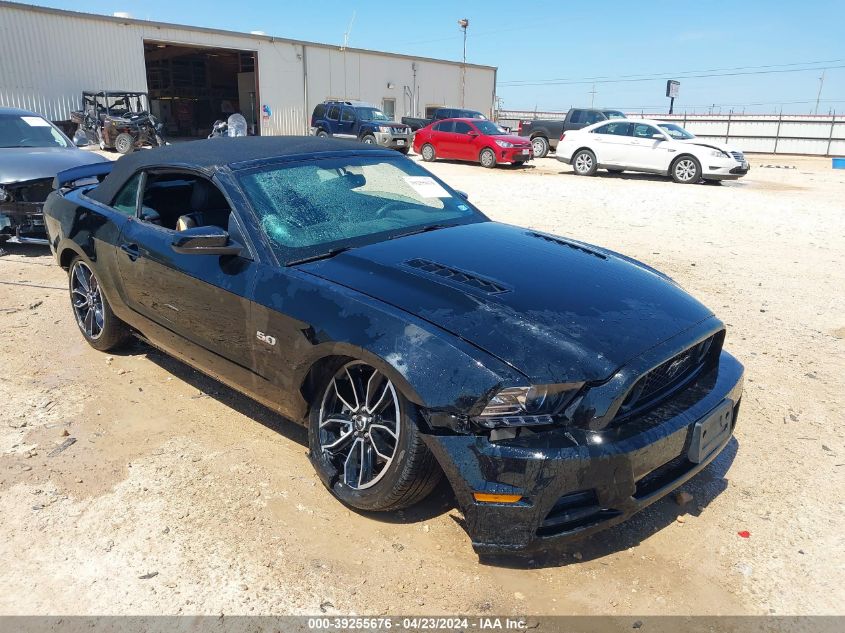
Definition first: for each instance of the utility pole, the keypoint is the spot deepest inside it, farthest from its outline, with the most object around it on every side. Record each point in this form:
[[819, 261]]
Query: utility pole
[[464, 23], [345, 44], [819, 95], [593, 95]]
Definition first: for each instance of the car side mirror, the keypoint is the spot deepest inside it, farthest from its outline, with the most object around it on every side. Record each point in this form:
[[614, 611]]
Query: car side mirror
[[462, 194], [658, 137], [204, 240]]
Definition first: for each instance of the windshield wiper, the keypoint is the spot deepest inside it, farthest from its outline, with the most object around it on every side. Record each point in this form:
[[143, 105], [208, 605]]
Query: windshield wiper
[[319, 256], [425, 229]]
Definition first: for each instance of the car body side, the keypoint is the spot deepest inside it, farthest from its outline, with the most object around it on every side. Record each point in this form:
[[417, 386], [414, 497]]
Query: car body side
[[458, 146]]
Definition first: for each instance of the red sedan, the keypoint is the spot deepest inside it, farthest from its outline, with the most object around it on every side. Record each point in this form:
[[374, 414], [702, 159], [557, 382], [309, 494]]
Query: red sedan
[[471, 139]]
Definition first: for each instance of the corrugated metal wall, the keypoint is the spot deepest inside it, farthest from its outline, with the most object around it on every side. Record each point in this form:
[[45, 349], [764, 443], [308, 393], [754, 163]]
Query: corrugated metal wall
[[48, 58], [762, 133]]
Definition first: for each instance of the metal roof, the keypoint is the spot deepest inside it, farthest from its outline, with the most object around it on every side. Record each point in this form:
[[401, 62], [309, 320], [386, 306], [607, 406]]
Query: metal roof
[[202, 29]]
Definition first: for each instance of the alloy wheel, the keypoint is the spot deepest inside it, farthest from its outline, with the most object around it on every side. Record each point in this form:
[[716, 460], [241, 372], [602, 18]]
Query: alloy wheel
[[583, 163], [428, 152], [87, 300], [686, 170], [487, 158], [539, 146], [359, 424]]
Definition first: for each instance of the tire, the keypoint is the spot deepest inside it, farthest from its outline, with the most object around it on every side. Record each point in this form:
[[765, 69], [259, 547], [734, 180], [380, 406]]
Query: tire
[[427, 152], [487, 158], [124, 143], [369, 139], [615, 171], [322, 134], [686, 170], [541, 146], [584, 163], [93, 314], [343, 408]]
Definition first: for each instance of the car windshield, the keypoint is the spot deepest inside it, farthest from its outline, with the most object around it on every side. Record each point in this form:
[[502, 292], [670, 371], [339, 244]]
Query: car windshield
[[614, 114], [122, 104], [371, 114], [489, 128], [311, 208], [25, 130], [676, 131]]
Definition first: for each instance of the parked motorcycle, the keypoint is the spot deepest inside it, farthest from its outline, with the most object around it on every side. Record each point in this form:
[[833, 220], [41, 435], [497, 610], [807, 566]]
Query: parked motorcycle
[[234, 126]]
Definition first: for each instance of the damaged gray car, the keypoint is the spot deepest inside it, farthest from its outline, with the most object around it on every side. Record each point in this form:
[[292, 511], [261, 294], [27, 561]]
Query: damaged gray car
[[32, 152]]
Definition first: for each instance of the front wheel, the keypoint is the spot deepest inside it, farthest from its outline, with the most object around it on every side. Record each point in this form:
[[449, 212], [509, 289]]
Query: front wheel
[[686, 170], [369, 139], [322, 134], [96, 321], [584, 163], [124, 143], [365, 443], [487, 158], [541, 146]]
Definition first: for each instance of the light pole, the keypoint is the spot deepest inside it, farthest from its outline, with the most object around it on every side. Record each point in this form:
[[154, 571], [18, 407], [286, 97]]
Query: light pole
[[464, 23]]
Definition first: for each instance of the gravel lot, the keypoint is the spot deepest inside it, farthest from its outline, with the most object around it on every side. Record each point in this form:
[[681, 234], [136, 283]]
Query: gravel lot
[[181, 496]]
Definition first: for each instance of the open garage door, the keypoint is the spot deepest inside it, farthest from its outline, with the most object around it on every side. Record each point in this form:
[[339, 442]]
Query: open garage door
[[191, 87]]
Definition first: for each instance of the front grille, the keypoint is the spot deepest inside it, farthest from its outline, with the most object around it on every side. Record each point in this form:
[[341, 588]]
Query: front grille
[[738, 156], [457, 276], [667, 377], [399, 130]]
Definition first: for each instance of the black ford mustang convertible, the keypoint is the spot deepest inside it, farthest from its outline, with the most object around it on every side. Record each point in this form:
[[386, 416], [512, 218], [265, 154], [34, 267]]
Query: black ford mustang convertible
[[559, 386]]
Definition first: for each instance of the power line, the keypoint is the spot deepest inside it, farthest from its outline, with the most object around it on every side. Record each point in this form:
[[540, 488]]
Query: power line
[[715, 72]]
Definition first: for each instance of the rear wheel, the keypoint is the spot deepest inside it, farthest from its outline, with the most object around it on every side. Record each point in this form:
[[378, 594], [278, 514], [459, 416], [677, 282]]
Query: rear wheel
[[686, 170], [584, 163], [541, 146], [365, 443], [428, 153], [487, 158], [124, 143], [96, 321]]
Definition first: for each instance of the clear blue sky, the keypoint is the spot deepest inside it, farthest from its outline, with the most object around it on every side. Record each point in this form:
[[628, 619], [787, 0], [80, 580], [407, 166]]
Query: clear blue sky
[[573, 41]]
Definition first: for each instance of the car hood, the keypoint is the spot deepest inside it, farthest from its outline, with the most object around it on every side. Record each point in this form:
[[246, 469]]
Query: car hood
[[18, 164], [703, 143], [556, 310]]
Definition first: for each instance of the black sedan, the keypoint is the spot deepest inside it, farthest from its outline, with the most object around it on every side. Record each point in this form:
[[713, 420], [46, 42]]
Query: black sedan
[[559, 386]]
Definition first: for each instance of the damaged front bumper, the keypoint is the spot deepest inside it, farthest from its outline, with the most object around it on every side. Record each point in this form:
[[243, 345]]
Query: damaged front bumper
[[574, 483], [21, 210]]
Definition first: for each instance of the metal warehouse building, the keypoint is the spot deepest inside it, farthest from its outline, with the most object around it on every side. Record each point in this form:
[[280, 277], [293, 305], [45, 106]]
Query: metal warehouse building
[[196, 75]]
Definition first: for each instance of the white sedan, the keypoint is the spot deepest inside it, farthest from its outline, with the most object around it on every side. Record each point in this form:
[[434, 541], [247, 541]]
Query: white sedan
[[649, 146]]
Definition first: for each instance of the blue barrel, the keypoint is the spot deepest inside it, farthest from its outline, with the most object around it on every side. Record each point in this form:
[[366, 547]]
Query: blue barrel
[[839, 163]]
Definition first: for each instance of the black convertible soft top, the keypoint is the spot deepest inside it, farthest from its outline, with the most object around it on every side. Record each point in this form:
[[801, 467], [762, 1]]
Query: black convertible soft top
[[206, 155]]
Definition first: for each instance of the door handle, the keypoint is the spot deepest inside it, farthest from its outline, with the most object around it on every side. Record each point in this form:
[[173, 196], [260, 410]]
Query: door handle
[[131, 250]]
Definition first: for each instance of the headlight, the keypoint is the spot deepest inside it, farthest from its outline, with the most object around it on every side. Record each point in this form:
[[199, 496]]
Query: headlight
[[717, 153], [527, 406], [383, 128], [504, 144]]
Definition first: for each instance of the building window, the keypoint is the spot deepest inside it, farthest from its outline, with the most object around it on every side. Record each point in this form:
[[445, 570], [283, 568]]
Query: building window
[[388, 106]]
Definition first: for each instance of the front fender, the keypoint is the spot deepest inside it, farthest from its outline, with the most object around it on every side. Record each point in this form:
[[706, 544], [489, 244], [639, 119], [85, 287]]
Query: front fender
[[315, 319]]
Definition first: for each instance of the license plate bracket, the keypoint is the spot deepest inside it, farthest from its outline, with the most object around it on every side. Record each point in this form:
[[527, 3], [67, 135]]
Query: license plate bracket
[[710, 432], [400, 142]]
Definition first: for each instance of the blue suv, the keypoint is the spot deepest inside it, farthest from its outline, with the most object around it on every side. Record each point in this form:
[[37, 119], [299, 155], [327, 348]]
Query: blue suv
[[365, 122]]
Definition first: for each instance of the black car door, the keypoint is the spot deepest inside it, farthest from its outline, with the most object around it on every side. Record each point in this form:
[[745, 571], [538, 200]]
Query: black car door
[[199, 298]]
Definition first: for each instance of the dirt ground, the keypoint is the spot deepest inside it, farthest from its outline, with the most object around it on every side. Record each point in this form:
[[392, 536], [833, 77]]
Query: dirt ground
[[182, 496]]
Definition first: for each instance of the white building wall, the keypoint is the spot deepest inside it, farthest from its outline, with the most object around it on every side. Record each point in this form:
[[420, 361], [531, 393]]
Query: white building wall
[[47, 58]]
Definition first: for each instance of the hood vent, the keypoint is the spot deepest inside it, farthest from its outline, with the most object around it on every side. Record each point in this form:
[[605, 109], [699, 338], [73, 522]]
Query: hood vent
[[572, 245], [457, 276]]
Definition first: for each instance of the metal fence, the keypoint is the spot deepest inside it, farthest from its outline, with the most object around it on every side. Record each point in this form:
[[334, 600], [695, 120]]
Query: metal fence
[[821, 135]]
